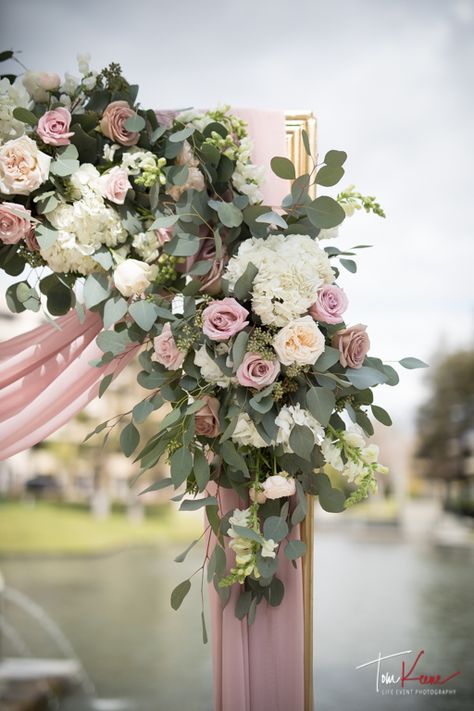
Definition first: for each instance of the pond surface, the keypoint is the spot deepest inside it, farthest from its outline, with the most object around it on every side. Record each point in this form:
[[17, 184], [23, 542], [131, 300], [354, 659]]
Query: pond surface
[[374, 594]]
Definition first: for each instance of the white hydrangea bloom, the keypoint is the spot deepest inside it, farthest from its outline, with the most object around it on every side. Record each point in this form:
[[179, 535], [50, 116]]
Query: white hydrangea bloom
[[11, 96], [291, 415], [85, 182], [210, 371], [146, 245], [83, 228], [246, 434], [290, 271]]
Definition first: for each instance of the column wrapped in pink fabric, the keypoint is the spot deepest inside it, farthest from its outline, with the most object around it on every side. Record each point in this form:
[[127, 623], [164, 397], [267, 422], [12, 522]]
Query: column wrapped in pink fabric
[[261, 667], [46, 378]]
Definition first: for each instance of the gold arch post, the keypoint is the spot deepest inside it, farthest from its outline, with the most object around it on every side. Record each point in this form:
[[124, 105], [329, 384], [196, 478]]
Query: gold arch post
[[297, 122]]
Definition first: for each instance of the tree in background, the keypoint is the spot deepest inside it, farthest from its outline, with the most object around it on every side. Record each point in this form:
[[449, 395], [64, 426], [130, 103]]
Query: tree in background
[[446, 423]]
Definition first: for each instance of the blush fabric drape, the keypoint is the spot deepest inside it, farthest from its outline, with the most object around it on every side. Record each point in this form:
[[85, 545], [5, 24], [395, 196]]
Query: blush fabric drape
[[46, 378]]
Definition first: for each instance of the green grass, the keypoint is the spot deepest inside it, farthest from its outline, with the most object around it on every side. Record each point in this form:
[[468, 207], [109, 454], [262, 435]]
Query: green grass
[[52, 528]]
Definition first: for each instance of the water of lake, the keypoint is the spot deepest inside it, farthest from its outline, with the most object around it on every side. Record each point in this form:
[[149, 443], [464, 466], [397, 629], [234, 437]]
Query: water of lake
[[374, 594]]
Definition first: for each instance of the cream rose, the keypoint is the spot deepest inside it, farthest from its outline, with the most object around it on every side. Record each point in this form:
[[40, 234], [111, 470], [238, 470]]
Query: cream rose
[[279, 485], [132, 277], [299, 342], [23, 167]]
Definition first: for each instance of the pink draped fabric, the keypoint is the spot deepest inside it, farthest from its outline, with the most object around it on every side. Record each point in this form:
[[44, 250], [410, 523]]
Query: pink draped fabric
[[46, 378]]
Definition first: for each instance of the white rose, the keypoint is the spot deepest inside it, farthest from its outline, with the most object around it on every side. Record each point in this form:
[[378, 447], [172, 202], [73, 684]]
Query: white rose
[[23, 167], [279, 485], [299, 342], [246, 434], [39, 84], [132, 277]]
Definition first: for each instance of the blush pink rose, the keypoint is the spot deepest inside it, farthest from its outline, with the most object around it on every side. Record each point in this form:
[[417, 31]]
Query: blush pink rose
[[223, 319], [53, 127], [166, 351], [112, 123], [255, 372], [207, 418], [163, 235], [15, 223], [353, 344], [279, 485], [330, 304], [114, 185]]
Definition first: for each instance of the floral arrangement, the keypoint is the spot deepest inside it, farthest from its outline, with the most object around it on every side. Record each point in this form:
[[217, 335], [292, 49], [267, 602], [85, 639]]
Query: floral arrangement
[[156, 220]]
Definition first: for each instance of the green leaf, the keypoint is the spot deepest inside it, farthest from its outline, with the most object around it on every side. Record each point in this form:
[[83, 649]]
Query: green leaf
[[115, 308], [129, 439], [141, 411], [266, 566], [325, 361], [179, 558], [104, 383], [163, 221], [248, 533], [275, 528], [157, 485], [229, 214], [243, 285], [46, 236], [329, 175], [184, 245], [66, 162], [179, 593], [283, 168], [203, 626], [295, 549], [365, 377], [181, 464], [302, 441], [242, 605], [135, 123], [201, 469], [325, 212], [25, 116], [412, 363], [272, 218], [321, 403], [144, 313], [239, 348], [335, 157], [112, 342], [233, 457], [381, 415], [276, 592], [96, 289], [195, 504], [179, 136], [349, 264], [104, 258], [305, 137]]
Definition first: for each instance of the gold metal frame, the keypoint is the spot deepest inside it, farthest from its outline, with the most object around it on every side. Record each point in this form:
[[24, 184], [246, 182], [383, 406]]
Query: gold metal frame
[[296, 122]]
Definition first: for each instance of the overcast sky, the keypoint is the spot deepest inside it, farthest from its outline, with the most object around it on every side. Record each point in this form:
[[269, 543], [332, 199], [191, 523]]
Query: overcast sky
[[391, 83]]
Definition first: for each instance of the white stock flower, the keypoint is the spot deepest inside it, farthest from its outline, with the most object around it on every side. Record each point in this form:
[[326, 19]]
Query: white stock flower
[[240, 517], [354, 437], [210, 371], [268, 549], [136, 159], [332, 454], [83, 62], [132, 277], [69, 84], [291, 415], [109, 151], [246, 434], [11, 96]]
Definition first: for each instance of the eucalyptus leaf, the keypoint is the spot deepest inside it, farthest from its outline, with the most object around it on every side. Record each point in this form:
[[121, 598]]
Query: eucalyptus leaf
[[179, 593], [129, 439], [275, 528], [283, 168], [295, 549], [321, 403], [412, 363]]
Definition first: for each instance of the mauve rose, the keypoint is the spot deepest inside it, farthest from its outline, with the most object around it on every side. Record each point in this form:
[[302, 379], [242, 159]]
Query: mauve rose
[[212, 280], [166, 351], [113, 120], [255, 372], [223, 319], [330, 304], [14, 223], [353, 344], [114, 185], [279, 485], [207, 418], [53, 127]]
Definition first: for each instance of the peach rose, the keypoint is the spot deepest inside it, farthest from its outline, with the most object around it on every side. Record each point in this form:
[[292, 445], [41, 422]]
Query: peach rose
[[166, 351], [53, 127], [353, 344], [15, 223], [114, 185], [23, 167], [112, 123], [279, 485], [300, 342], [207, 418]]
